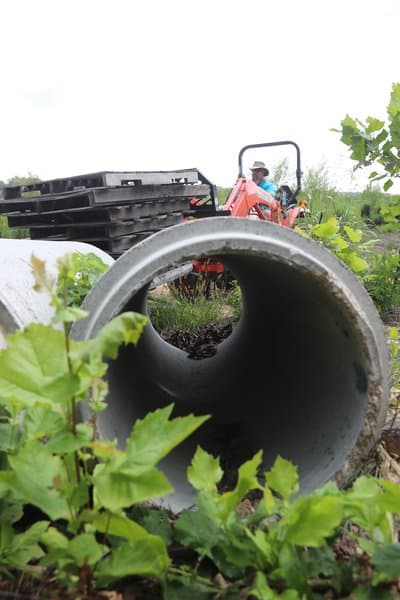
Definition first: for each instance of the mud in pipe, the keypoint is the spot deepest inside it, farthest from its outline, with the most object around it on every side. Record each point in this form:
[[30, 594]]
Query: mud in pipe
[[305, 373]]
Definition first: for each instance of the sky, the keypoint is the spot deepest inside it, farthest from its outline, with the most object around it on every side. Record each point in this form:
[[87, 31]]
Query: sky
[[158, 85]]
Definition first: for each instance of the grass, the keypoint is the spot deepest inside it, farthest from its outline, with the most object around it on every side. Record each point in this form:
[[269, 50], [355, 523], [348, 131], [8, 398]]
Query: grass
[[171, 308]]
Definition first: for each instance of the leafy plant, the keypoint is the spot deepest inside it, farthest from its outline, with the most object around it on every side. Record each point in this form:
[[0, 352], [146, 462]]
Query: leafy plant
[[344, 241], [81, 485], [371, 142], [77, 273], [285, 547], [382, 281]]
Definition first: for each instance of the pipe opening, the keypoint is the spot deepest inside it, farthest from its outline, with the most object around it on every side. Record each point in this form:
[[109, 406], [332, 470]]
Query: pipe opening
[[196, 312]]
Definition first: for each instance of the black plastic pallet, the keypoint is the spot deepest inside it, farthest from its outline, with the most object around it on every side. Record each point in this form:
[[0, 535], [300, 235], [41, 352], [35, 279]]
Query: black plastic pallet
[[101, 179], [85, 231], [89, 215], [102, 197]]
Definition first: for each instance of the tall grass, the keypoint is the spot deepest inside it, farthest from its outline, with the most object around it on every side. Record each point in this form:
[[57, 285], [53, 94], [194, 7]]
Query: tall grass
[[170, 308]]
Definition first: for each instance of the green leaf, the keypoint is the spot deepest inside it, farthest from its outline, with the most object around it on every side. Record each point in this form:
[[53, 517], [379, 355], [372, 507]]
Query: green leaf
[[374, 124], [263, 591], [390, 499], [42, 421], [353, 234], [65, 441], [198, 531], [147, 557], [310, 520], [126, 328], [353, 261], [34, 360], [6, 436], [124, 487], [85, 549], [116, 524], [70, 314], [155, 520], [155, 436], [25, 547], [326, 230], [387, 560], [54, 539], [283, 478], [264, 546], [36, 473], [247, 481], [204, 472]]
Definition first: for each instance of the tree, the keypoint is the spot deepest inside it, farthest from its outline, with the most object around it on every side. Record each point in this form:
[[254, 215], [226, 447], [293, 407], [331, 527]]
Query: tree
[[374, 143]]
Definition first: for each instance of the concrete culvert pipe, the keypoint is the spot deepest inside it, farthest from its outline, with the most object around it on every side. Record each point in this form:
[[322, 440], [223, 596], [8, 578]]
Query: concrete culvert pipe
[[304, 374], [19, 303]]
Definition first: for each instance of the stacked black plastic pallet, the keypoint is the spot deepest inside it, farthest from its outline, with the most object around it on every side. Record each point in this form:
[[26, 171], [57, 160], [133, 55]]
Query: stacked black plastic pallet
[[111, 210]]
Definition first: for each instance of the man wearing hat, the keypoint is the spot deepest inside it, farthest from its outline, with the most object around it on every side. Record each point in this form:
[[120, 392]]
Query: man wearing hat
[[259, 174]]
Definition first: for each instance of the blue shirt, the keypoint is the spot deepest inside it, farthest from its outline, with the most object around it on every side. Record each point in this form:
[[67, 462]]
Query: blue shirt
[[268, 186]]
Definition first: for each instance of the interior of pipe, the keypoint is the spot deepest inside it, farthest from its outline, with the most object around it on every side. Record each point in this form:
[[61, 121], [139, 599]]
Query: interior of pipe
[[290, 380]]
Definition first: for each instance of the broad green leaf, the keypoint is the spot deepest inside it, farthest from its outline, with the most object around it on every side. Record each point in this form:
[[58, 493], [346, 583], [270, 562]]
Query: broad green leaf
[[155, 520], [34, 360], [65, 441], [387, 185], [42, 421], [6, 436], [126, 328], [147, 557], [25, 547], [116, 524], [354, 261], [247, 481], [70, 314], [387, 560], [390, 499], [269, 500], [264, 547], [311, 520], [85, 549], [261, 589], [10, 510], [338, 243], [283, 478], [125, 487], [204, 472], [361, 502], [35, 473], [54, 539], [326, 230], [374, 124], [154, 436], [196, 530], [354, 235]]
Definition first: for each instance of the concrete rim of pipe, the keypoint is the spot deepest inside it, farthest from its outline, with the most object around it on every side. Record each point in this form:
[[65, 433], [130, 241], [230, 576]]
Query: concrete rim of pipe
[[316, 391], [20, 304]]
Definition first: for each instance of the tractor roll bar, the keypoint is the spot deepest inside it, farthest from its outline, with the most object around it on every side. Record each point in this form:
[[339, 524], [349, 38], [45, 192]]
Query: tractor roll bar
[[266, 144]]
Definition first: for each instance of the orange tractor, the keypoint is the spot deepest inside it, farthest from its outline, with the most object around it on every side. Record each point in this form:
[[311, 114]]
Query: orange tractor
[[247, 199]]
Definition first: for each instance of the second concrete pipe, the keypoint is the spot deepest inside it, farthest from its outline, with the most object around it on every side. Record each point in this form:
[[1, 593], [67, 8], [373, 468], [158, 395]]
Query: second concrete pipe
[[305, 373]]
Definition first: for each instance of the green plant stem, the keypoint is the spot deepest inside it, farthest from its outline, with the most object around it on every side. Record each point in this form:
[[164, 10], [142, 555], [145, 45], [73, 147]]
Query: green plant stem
[[73, 402], [195, 577]]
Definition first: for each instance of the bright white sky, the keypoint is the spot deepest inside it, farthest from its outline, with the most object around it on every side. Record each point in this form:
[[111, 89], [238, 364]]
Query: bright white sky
[[94, 85]]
